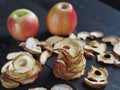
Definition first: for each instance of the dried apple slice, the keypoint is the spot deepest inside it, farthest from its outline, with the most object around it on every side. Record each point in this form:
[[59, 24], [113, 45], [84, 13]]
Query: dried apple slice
[[6, 65], [96, 34], [72, 35], [13, 55], [83, 35], [31, 46], [61, 87], [107, 57], [38, 88], [53, 39], [23, 63], [117, 63], [8, 83], [44, 56], [111, 38], [97, 77], [69, 45], [116, 48], [88, 54], [96, 46]]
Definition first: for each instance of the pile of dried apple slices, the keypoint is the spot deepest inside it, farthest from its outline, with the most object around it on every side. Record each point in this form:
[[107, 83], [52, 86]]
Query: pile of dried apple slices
[[20, 70]]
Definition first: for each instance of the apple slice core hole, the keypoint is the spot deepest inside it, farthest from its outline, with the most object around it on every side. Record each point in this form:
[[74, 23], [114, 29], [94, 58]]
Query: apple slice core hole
[[107, 56], [97, 72]]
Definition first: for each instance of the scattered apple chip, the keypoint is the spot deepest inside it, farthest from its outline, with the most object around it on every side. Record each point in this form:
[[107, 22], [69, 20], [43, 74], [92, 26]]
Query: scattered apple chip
[[96, 34], [96, 46], [44, 56], [97, 77], [31, 46], [72, 35], [111, 38], [107, 57], [88, 54], [83, 35], [13, 55], [61, 87], [117, 63], [6, 65], [116, 48]]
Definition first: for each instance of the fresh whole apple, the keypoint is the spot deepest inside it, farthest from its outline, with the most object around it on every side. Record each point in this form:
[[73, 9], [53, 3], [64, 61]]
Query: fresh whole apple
[[22, 23], [61, 19]]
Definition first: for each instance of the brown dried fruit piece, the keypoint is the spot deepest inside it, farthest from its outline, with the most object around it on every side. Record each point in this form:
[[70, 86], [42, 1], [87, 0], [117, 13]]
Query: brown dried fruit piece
[[97, 77], [96, 46], [116, 48], [107, 57], [31, 45], [96, 34], [83, 35], [111, 38]]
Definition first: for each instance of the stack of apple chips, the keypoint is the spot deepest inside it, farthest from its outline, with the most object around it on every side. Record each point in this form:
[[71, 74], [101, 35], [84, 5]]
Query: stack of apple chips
[[70, 63], [20, 70]]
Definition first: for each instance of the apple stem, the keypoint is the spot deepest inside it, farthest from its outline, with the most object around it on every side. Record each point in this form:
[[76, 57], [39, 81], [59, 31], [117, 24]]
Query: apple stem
[[64, 6], [22, 14]]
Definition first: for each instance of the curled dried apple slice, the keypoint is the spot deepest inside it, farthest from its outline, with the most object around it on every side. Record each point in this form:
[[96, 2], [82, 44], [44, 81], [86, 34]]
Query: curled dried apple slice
[[53, 39], [96, 34], [97, 77], [88, 54], [69, 45], [13, 55], [44, 56], [72, 35], [107, 57], [61, 87], [117, 63], [31, 46], [111, 38], [6, 65], [96, 46], [83, 35], [116, 48], [23, 63]]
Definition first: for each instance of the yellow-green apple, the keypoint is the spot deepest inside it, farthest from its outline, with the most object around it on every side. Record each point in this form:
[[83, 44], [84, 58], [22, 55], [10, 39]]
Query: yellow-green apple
[[22, 23], [61, 19]]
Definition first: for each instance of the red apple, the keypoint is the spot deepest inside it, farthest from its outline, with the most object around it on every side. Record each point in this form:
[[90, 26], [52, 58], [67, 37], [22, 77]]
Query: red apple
[[61, 19], [22, 23]]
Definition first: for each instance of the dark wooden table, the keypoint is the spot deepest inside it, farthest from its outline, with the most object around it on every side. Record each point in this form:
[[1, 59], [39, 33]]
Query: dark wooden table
[[92, 15]]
